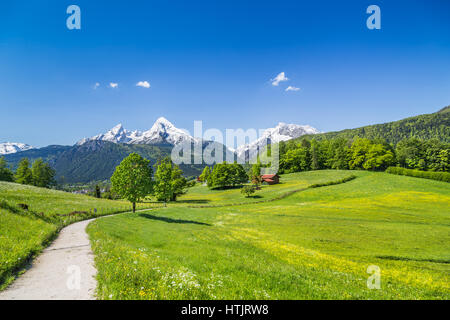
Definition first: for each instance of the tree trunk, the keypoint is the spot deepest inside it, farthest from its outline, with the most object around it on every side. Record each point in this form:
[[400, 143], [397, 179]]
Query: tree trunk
[[134, 207]]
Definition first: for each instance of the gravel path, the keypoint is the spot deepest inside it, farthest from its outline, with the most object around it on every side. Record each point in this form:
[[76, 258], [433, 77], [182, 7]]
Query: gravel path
[[64, 271]]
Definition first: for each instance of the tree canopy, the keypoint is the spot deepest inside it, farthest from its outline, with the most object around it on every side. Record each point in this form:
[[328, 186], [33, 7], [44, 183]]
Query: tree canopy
[[132, 179], [42, 174], [227, 175], [363, 154]]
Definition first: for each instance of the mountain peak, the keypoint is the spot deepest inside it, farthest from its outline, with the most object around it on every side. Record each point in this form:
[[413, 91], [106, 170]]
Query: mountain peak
[[162, 132], [13, 147], [163, 121], [117, 128]]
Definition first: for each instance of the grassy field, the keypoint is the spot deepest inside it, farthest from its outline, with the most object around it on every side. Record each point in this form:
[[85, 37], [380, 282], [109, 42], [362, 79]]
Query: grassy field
[[24, 233], [314, 244], [202, 196]]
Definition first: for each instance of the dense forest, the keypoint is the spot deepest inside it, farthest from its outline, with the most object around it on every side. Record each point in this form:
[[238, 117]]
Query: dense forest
[[362, 153], [420, 142], [427, 126]]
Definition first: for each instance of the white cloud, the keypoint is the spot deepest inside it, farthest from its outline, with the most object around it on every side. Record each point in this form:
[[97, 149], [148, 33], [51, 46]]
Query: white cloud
[[291, 88], [143, 84], [96, 85], [279, 78], [113, 85]]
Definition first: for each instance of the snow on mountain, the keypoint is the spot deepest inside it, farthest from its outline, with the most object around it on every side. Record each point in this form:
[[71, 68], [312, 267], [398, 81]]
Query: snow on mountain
[[13, 147], [162, 132], [117, 135], [282, 132]]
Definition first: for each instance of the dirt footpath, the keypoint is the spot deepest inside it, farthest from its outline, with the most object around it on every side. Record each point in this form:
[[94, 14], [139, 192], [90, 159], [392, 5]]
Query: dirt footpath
[[65, 270]]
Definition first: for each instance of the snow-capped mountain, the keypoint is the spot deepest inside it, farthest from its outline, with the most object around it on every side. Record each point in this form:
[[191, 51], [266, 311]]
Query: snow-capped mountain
[[117, 135], [13, 147], [162, 132], [282, 132]]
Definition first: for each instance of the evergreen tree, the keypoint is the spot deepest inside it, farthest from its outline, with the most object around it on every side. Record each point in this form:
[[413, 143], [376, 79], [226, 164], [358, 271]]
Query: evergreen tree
[[23, 173], [5, 173], [98, 193]]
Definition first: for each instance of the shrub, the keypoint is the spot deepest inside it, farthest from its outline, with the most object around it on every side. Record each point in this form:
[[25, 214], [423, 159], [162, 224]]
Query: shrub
[[439, 176], [330, 183], [247, 191]]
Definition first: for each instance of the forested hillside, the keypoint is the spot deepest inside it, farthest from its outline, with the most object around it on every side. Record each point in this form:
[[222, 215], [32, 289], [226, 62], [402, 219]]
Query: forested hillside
[[421, 142], [94, 160], [426, 126]]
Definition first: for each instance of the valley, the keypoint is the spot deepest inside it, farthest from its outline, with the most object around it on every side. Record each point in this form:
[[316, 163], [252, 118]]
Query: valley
[[298, 243]]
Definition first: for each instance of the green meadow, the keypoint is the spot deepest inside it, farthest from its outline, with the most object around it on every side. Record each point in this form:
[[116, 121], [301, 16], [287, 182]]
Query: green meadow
[[201, 196], [24, 233], [316, 243]]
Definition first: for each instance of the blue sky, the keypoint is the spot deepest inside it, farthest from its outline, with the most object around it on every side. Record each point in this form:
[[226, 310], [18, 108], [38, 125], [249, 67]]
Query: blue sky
[[213, 61]]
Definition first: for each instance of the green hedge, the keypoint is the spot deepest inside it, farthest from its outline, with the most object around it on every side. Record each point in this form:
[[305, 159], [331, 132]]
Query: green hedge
[[439, 176], [330, 183]]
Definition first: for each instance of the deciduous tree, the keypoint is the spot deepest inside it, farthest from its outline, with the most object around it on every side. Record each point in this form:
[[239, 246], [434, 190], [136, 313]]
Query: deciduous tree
[[132, 178]]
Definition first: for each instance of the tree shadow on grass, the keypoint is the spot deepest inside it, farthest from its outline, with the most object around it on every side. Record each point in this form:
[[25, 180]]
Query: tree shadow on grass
[[178, 201], [170, 220], [256, 196], [193, 201]]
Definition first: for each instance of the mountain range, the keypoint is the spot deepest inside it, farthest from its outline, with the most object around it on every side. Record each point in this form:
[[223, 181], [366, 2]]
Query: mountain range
[[162, 132], [95, 158]]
